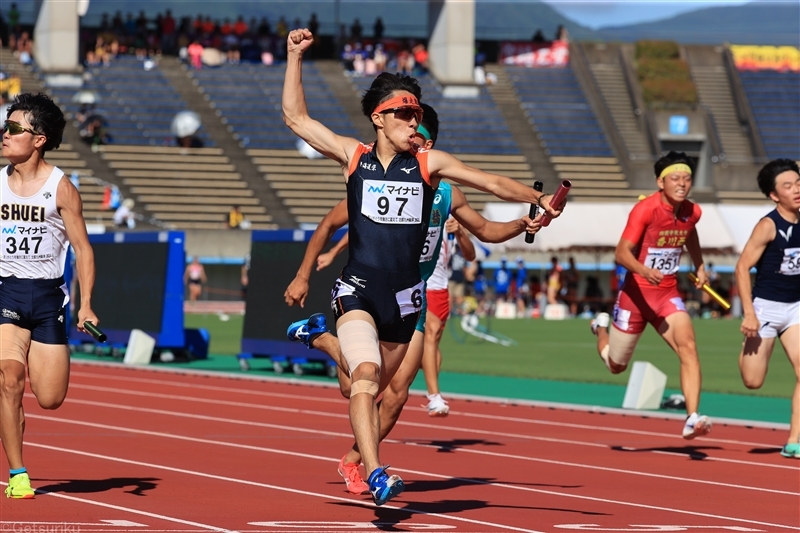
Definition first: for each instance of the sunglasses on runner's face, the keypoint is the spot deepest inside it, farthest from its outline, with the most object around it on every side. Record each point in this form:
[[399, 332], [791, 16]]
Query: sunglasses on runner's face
[[405, 113], [15, 128]]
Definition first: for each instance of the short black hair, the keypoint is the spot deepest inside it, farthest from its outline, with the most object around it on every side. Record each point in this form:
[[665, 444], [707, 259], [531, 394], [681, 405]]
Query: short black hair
[[44, 115], [430, 119], [770, 171], [673, 158], [382, 88]]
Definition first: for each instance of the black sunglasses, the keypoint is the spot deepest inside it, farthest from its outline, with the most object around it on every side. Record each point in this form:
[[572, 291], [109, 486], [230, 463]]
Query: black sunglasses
[[15, 128], [405, 113]]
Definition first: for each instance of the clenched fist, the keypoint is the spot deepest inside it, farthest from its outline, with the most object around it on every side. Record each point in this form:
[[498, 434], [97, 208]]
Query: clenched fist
[[298, 41]]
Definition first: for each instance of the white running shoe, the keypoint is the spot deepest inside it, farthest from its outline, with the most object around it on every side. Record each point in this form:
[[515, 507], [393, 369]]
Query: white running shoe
[[602, 320], [437, 407], [696, 426]]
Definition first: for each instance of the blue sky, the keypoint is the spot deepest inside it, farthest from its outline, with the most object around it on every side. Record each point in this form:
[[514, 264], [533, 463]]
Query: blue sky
[[600, 14]]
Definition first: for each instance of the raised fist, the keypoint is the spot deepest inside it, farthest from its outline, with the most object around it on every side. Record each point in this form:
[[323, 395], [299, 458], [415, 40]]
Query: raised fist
[[299, 40]]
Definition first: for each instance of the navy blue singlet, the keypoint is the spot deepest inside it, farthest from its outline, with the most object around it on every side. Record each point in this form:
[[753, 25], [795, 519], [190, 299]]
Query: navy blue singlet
[[388, 210], [778, 277]]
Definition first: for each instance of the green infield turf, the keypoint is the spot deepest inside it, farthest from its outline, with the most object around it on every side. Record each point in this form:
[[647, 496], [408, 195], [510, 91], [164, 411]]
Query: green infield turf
[[565, 351]]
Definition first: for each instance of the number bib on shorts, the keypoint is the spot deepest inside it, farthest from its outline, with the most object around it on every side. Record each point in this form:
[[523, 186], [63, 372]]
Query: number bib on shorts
[[666, 260], [430, 243], [410, 300], [392, 202], [790, 266]]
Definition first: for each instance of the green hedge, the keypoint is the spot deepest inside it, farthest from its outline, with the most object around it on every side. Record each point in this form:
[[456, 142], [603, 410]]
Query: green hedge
[[664, 76]]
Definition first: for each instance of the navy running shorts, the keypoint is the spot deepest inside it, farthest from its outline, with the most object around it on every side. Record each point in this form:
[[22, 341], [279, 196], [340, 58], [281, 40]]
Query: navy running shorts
[[380, 294], [38, 305]]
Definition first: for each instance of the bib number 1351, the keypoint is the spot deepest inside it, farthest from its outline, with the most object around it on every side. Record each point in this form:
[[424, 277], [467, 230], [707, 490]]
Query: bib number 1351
[[666, 260]]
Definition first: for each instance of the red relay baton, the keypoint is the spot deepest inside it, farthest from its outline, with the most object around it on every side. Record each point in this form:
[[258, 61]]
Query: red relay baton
[[557, 200]]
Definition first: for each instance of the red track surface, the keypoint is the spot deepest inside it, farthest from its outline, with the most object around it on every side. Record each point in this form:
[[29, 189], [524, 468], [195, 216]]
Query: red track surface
[[136, 450]]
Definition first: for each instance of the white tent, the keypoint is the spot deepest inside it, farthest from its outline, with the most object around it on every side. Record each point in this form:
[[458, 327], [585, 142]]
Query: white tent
[[598, 227]]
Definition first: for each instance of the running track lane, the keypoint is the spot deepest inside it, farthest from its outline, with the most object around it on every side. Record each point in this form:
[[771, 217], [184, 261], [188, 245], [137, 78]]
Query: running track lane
[[180, 452]]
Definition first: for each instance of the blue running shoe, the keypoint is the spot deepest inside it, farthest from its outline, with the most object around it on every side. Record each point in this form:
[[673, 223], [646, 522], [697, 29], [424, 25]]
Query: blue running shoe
[[384, 487], [308, 329]]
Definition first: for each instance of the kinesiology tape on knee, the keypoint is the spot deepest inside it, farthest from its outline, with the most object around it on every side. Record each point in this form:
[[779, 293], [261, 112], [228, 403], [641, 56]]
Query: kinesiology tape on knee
[[359, 342], [364, 386]]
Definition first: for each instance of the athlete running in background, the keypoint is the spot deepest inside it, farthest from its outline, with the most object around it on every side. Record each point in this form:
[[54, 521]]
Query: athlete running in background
[[41, 215], [650, 248], [313, 331], [390, 190], [772, 306]]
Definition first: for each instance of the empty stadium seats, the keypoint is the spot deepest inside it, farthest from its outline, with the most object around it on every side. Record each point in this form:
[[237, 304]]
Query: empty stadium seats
[[775, 100]]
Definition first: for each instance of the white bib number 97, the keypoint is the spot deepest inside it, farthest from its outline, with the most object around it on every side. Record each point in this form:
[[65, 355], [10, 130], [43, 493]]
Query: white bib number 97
[[392, 202]]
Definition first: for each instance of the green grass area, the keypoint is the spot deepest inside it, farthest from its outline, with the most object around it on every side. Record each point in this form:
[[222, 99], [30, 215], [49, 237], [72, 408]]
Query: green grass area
[[565, 351]]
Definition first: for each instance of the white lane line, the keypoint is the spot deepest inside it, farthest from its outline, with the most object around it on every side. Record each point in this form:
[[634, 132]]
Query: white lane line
[[366, 504], [478, 452], [240, 481], [655, 415], [472, 431], [341, 401], [121, 508]]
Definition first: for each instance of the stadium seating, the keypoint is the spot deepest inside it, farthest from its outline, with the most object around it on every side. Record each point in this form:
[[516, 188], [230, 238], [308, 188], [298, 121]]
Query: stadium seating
[[258, 124], [138, 105], [90, 189], [775, 100], [188, 188], [558, 111]]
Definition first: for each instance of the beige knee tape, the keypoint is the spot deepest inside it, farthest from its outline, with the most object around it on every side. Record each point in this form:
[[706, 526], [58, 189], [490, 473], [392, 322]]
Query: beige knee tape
[[620, 346], [364, 386], [359, 342]]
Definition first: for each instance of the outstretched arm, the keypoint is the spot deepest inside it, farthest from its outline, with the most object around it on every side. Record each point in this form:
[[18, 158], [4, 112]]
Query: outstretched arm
[[295, 111], [443, 165], [485, 230], [297, 290], [325, 260]]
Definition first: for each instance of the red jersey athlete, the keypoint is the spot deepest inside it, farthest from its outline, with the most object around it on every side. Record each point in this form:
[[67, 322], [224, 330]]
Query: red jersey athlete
[[650, 248]]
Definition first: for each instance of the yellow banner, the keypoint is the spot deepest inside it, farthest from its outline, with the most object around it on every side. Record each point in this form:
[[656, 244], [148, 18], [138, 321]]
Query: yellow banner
[[748, 57]]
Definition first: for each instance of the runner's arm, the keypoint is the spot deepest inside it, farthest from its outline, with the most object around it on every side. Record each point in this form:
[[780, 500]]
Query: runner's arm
[[325, 260], [297, 290], [295, 110], [443, 165], [696, 253], [485, 230], [762, 235], [70, 208]]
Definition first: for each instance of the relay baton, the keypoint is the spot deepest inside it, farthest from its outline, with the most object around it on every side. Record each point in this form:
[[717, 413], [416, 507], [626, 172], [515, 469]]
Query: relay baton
[[94, 331], [557, 199], [537, 186], [711, 292]]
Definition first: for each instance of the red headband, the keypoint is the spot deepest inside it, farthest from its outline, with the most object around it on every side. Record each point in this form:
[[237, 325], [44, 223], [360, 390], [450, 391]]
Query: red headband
[[399, 101]]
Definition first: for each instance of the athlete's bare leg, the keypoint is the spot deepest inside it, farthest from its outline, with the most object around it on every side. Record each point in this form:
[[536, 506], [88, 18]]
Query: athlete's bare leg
[[396, 394], [14, 345], [431, 355], [678, 331], [754, 362], [603, 339], [48, 370]]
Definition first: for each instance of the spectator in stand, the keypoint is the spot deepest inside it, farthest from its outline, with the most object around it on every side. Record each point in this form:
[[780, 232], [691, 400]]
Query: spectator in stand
[[538, 37], [235, 218], [264, 29], [380, 58], [377, 29], [502, 281], [168, 37], [13, 20], [196, 54], [420, 58], [281, 30], [561, 34], [356, 30], [24, 49], [240, 28], [123, 216]]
